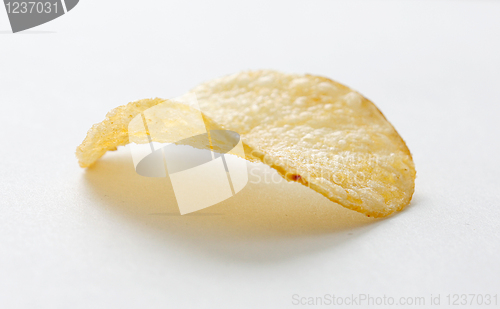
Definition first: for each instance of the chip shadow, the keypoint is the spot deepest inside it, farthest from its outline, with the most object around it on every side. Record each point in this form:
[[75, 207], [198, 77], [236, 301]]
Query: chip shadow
[[267, 221]]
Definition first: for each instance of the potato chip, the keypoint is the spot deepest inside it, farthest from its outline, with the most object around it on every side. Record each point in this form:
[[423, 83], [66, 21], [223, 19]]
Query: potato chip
[[312, 130]]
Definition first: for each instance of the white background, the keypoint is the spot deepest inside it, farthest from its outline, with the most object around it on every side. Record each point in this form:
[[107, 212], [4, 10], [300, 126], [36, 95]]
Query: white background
[[108, 238]]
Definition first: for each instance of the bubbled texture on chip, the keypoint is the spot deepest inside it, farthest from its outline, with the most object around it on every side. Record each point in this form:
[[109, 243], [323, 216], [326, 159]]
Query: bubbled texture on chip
[[317, 132], [112, 132]]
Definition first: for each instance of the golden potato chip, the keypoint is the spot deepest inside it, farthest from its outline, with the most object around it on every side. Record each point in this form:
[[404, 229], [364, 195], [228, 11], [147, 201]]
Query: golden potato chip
[[310, 129]]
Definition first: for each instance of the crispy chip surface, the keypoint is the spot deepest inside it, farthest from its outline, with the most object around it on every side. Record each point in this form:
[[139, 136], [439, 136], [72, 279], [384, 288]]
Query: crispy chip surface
[[310, 129]]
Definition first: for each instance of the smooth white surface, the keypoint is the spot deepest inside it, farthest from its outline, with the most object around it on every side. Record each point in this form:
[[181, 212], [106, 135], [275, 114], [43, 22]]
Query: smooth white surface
[[108, 238]]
